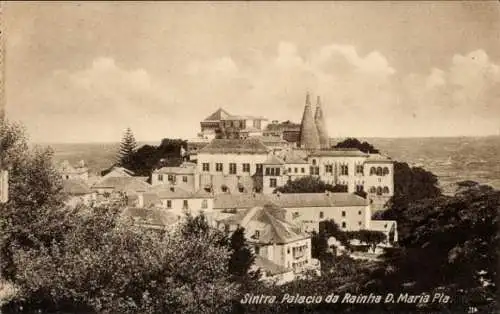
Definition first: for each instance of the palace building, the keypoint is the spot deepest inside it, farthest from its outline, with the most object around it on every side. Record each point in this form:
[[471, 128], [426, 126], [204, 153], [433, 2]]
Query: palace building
[[244, 154]]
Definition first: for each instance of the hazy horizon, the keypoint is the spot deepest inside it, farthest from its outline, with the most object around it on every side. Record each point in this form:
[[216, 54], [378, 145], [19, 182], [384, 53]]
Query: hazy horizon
[[383, 69]]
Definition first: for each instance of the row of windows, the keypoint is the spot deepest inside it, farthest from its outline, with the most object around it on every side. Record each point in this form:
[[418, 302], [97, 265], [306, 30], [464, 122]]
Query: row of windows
[[322, 214], [185, 204], [273, 171], [219, 167], [296, 170], [379, 171], [172, 178], [379, 190]]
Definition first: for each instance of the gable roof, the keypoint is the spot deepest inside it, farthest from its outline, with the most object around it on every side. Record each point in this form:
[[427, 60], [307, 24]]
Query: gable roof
[[288, 200], [294, 159], [151, 217], [235, 146], [273, 160], [270, 222], [76, 187], [124, 184], [217, 115]]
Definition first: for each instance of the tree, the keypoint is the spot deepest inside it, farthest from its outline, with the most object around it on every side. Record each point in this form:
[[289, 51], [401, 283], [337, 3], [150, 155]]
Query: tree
[[128, 146], [107, 265], [309, 184], [242, 257], [33, 216], [454, 242], [365, 147]]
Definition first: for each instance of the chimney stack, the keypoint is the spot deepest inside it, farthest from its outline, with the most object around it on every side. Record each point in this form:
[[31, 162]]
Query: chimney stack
[[309, 138], [319, 120]]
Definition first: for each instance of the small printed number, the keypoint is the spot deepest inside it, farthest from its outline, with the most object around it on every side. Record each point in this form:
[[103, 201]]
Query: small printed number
[[472, 310]]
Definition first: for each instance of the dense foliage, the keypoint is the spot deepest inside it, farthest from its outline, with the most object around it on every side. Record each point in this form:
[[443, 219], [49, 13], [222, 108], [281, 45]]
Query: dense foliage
[[365, 147], [148, 157], [309, 184]]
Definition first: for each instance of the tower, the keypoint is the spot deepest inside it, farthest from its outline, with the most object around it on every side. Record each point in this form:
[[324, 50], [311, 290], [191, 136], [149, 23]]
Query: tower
[[319, 120], [309, 138]]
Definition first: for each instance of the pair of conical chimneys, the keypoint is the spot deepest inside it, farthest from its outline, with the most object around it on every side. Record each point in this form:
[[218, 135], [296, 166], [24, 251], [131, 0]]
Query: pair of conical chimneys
[[313, 134]]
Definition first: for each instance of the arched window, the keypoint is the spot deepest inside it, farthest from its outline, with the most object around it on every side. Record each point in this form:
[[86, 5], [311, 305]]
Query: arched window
[[314, 162], [379, 190], [386, 190], [373, 171], [379, 171], [385, 171]]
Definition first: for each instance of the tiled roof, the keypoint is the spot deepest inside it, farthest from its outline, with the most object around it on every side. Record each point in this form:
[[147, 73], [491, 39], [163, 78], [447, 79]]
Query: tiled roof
[[269, 221], [294, 159], [176, 170], [218, 115], [166, 191], [273, 160], [269, 267], [236, 117], [340, 152], [76, 187], [124, 184], [228, 146], [378, 158], [152, 217], [288, 200], [318, 200], [271, 139]]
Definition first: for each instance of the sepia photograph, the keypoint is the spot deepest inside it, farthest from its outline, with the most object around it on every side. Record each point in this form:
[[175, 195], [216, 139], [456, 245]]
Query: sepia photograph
[[249, 157]]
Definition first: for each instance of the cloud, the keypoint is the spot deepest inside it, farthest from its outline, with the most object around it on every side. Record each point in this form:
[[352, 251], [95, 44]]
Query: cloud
[[362, 95], [98, 101]]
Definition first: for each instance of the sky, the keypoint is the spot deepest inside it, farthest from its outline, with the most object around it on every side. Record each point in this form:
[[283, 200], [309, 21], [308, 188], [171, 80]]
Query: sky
[[83, 72]]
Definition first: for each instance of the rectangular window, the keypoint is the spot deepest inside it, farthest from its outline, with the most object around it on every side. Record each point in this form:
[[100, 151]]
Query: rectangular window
[[316, 170], [257, 250], [290, 170], [268, 172], [218, 167], [303, 170], [184, 204], [206, 166], [171, 178], [232, 168], [321, 215], [246, 167], [359, 212], [272, 183], [328, 168], [184, 179], [204, 204], [296, 170], [160, 177], [278, 172], [169, 204], [257, 234], [344, 170], [359, 169], [343, 213], [344, 225], [359, 223]]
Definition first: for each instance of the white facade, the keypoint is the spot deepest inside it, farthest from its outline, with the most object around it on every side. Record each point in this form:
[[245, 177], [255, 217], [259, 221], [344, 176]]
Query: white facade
[[349, 218]]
